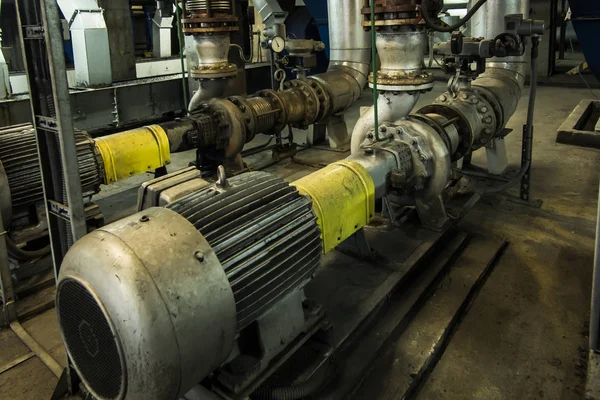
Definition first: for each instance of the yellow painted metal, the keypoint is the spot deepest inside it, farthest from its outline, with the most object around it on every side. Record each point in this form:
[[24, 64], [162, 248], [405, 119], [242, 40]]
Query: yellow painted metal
[[133, 152], [343, 196]]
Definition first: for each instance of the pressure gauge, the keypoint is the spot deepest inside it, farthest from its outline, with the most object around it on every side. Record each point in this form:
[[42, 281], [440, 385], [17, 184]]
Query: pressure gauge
[[278, 44]]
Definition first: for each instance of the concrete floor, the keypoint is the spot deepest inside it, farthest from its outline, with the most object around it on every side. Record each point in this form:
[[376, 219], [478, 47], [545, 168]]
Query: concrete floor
[[525, 336]]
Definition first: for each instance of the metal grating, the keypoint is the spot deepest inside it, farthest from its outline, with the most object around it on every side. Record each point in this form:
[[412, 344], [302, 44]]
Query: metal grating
[[265, 235], [90, 340]]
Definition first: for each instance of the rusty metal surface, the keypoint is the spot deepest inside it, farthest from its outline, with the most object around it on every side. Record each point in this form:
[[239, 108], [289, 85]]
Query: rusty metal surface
[[402, 78], [213, 71]]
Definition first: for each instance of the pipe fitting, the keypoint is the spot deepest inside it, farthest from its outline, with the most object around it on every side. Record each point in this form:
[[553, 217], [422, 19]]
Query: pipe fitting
[[401, 53], [390, 107]]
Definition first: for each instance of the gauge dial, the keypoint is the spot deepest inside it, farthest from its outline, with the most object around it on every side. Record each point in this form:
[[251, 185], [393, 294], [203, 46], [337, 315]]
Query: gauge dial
[[278, 44]]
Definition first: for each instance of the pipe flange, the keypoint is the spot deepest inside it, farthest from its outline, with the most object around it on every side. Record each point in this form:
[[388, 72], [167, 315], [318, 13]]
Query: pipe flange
[[392, 13], [496, 106], [312, 102], [464, 129], [277, 104], [436, 126], [248, 114], [233, 136], [380, 23], [484, 112], [324, 98], [194, 25], [214, 71], [402, 82]]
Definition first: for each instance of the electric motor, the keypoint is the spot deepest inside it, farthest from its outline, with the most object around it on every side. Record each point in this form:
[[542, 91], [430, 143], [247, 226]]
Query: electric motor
[[150, 305], [20, 162]]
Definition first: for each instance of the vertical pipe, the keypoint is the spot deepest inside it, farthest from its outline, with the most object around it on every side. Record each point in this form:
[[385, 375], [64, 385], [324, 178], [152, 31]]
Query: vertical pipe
[[488, 22], [350, 45], [181, 46], [374, 65]]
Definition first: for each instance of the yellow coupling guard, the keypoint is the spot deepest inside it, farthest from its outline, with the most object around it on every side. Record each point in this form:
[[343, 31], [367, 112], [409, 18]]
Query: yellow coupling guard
[[133, 152], [343, 196]]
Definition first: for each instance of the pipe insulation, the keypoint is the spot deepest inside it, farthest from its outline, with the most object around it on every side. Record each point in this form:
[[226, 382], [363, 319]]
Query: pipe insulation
[[504, 77], [350, 45]]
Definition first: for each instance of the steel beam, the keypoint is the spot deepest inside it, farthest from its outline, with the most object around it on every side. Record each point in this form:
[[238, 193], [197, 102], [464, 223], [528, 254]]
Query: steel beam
[[51, 107]]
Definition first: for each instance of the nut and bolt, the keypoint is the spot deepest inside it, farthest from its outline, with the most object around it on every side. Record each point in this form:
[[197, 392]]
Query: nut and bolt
[[144, 218], [487, 120], [382, 129], [199, 256], [488, 131], [475, 100], [483, 109], [398, 178], [443, 98]]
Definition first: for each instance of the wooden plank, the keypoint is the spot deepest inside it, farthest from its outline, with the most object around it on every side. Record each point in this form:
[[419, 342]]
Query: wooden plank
[[16, 362]]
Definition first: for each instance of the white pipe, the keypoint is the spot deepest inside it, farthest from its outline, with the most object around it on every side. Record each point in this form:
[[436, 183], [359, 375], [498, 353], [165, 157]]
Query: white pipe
[[207, 90], [390, 107], [350, 45]]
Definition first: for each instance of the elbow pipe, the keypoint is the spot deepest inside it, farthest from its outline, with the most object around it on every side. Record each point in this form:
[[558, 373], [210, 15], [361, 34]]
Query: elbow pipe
[[505, 77], [350, 46], [207, 90], [390, 107]]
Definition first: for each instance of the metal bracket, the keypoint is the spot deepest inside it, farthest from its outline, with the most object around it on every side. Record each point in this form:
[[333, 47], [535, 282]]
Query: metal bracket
[[47, 123], [357, 246], [82, 11], [433, 214], [60, 210], [33, 32]]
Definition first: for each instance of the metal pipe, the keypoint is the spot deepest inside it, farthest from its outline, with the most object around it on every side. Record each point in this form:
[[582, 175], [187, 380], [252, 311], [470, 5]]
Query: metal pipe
[[390, 107], [528, 129], [350, 45], [375, 110], [489, 23], [181, 55], [505, 77], [207, 90]]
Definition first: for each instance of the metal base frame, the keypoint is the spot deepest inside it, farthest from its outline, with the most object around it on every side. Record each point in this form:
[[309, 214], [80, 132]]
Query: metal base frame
[[351, 289]]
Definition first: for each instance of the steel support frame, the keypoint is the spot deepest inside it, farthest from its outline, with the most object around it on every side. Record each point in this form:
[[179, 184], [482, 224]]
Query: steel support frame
[[41, 37]]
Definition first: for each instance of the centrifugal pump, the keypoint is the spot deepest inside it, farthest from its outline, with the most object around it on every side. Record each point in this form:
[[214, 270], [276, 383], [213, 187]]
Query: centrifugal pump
[[205, 283]]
